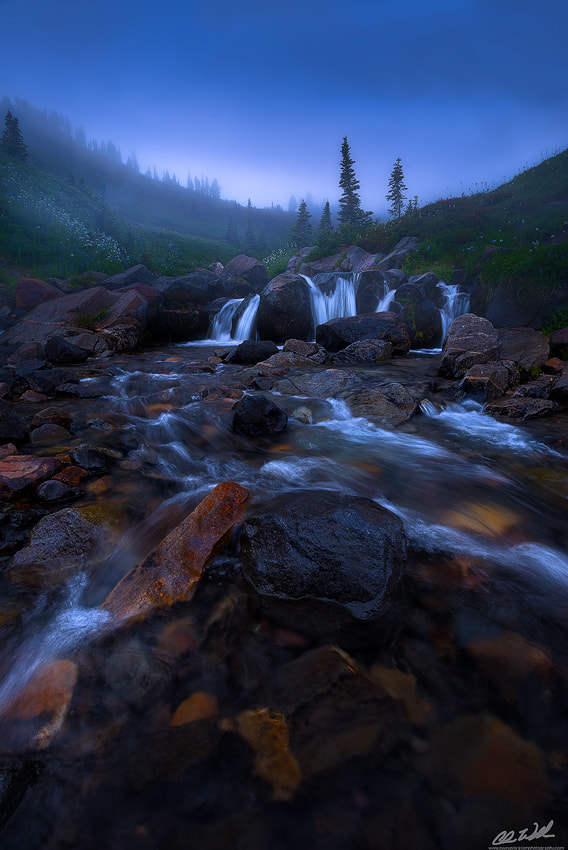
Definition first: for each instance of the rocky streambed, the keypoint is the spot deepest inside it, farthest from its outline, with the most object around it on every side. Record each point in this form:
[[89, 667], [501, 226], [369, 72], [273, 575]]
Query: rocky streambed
[[269, 597]]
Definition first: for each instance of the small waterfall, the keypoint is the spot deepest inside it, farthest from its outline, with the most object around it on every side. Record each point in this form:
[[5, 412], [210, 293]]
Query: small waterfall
[[222, 326], [338, 302], [245, 328], [384, 303], [455, 304], [223, 322]]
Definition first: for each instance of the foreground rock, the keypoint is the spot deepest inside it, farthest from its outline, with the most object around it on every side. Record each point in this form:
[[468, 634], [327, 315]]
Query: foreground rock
[[171, 571], [327, 565], [20, 473]]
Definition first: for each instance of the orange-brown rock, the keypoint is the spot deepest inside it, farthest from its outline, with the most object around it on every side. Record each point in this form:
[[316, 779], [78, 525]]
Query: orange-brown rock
[[488, 757], [267, 733], [171, 571], [71, 475], [18, 472], [199, 706], [31, 292], [36, 713]]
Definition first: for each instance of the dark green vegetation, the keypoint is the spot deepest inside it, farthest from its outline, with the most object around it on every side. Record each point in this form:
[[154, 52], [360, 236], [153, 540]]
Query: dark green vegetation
[[72, 205]]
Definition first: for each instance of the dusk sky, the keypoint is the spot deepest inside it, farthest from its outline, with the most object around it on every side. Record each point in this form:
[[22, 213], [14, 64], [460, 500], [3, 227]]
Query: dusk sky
[[260, 95]]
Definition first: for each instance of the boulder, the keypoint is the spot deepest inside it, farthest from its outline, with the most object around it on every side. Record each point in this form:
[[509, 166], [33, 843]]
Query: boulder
[[256, 415], [325, 384], [152, 297], [26, 352], [95, 459], [527, 348], [485, 381], [58, 547], [400, 252], [339, 333], [364, 351], [559, 391], [470, 340], [60, 350], [522, 302], [179, 325], [136, 274], [428, 283], [171, 571], [325, 564], [20, 473], [517, 407], [247, 268], [312, 351], [370, 291], [389, 404], [197, 288], [30, 292], [559, 343], [12, 427], [421, 316], [285, 310], [250, 352]]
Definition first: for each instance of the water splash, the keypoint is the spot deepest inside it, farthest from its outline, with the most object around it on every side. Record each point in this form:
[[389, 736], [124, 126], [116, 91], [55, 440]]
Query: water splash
[[455, 304], [338, 302]]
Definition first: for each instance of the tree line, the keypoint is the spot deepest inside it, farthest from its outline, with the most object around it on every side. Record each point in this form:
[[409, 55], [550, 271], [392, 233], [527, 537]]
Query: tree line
[[352, 218]]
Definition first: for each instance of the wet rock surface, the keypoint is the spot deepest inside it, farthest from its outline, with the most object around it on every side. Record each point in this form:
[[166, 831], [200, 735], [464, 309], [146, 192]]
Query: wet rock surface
[[329, 567]]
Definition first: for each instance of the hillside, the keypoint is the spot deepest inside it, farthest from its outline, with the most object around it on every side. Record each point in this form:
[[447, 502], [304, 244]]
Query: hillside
[[74, 204], [518, 229]]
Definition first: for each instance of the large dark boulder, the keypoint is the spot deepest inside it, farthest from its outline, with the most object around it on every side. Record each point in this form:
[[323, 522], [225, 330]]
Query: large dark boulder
[[248, 269], [285, 310], [339, 333], [470, 340], [325, 564], [250, 351], [422, 317], [517, 302], [200, 287], [178, 325], [60, 350], [256, 416]]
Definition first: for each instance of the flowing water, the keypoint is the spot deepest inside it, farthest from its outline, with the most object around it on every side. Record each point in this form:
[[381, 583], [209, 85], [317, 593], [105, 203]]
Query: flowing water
[[484, 507]]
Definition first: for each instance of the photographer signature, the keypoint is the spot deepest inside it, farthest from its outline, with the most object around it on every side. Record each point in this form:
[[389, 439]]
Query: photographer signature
[[512, 838]]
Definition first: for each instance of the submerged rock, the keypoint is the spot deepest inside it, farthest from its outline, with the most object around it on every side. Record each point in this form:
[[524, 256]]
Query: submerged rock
[[324, 564], [255, 415], [171, 571]]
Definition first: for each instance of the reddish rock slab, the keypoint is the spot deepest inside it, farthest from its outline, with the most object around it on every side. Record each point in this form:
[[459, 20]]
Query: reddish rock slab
[[31, 292], [171, 571], [18, 472]]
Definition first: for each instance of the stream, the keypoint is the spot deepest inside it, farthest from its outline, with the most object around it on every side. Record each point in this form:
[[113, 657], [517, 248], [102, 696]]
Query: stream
[[480, 661]]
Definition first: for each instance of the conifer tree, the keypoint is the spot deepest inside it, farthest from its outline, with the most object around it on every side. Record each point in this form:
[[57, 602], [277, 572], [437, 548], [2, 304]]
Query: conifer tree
[[250, 238], [12, 141], [325, 225], [396, 191], [350, 211], [301, 230]]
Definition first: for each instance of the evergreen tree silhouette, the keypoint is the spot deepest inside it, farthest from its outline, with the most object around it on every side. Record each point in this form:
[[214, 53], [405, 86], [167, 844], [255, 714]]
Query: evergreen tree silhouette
[[396, 190], [12, 141], [350, 211], [301, 230]]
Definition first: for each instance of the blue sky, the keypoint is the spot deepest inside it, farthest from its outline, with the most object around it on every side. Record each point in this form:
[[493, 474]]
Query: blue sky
[[260, 95]]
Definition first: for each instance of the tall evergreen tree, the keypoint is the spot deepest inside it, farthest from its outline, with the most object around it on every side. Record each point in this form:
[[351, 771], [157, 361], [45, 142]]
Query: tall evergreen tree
[[350, 211], [325, 225], [232, 236], [301, 230], [250, 238], [396, 191], [12, 141]]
